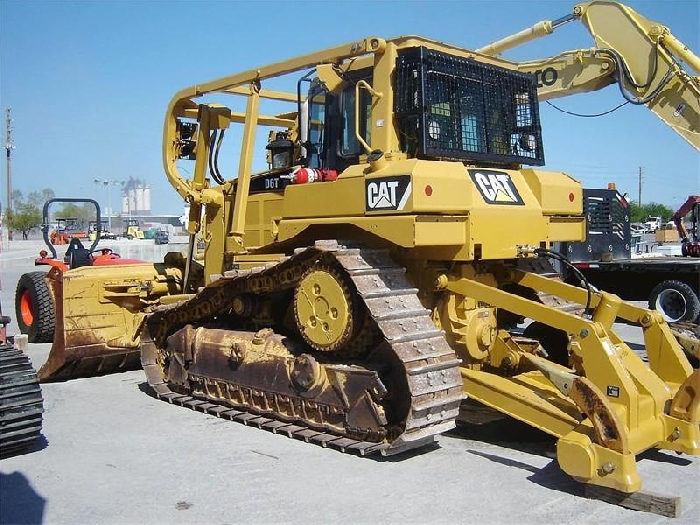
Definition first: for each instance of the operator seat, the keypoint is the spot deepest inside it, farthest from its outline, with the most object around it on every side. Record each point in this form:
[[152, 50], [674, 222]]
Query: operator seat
[[77, 255]]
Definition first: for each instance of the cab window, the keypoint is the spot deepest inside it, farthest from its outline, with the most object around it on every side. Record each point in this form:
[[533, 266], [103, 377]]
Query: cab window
[[315, 147], [349, 145]]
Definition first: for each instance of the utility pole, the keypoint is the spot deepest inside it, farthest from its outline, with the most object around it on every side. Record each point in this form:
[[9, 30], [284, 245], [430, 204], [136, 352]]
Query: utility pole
[[9, 146], [640, 187]]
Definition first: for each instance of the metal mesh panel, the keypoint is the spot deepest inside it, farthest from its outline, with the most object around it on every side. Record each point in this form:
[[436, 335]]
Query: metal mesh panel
[[599, 215], [606, 214], [456, 108], [607, 227]]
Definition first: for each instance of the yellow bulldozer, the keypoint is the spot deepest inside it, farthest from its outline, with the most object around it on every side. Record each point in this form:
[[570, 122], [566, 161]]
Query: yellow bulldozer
[[380, 270], [133, 229]]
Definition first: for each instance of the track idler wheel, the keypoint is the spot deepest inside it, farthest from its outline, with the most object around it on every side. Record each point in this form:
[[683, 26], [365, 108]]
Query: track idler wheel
[[327, 311]]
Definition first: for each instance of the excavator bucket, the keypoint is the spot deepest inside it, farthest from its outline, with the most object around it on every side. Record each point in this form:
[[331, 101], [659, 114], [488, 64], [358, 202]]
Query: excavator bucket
[[99, 311]]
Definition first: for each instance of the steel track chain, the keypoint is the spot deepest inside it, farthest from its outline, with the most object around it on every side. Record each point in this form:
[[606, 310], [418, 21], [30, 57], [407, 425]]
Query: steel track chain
[[431, 368], [21, 402]]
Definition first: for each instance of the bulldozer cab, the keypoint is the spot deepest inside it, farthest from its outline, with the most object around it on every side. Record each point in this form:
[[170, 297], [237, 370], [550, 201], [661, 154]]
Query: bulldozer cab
[[331, 141], [438, 103], [447, 108]]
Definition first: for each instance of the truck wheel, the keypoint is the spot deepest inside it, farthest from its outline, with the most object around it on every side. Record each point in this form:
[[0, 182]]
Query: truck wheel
[[675, 300], [34, 307]]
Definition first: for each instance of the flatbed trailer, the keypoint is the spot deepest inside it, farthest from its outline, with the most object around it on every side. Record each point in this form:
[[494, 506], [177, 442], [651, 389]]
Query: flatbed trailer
[[671, 284]]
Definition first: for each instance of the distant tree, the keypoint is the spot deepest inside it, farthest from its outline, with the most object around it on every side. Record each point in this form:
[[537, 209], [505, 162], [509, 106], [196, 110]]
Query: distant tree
[[17, 197], [83, 212], [652, 209], [24, 217], [38, 198], [636, 212], [47, 193]]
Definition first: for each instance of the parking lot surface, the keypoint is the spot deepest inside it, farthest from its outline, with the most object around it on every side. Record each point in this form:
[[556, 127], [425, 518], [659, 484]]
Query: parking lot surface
[[111, 453]]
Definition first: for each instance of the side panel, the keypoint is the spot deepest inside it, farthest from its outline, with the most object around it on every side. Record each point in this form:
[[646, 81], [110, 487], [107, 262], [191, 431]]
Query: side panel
[[262, 212], [478, 213]]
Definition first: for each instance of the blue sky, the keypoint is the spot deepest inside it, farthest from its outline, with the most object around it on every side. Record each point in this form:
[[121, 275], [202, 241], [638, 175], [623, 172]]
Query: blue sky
[[89, 81]]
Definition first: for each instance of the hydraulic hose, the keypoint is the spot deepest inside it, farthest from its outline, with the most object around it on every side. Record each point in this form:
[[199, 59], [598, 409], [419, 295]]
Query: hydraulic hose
[[561, 258]]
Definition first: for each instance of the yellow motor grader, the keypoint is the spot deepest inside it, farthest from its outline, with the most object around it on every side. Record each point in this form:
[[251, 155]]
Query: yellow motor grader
[[379, 271]]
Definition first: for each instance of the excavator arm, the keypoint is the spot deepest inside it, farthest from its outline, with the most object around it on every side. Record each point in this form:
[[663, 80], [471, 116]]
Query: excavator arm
[[691, 243], [692, 204], [641, 56]]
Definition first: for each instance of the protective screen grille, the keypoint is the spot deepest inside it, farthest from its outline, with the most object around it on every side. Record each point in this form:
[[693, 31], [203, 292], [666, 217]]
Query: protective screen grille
[[605, 215], [599, 215], [607, 228], [450, 107]]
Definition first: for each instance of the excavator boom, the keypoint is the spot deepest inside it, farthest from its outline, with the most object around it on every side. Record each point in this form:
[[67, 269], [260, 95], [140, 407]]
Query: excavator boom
[[691, 241], [641, 56]]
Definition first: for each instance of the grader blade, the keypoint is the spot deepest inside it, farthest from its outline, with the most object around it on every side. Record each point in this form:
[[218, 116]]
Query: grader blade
[[86, 358], [99, 314]]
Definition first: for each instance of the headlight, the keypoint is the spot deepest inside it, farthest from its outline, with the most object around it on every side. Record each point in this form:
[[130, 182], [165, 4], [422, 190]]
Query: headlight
[[433, 130]]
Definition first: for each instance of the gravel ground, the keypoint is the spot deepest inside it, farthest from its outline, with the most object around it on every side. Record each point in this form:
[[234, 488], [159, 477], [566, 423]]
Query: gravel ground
[[110, 453]]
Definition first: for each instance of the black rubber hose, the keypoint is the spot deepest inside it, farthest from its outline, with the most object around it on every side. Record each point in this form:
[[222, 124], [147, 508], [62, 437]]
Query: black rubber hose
[[561, 258], [219, 178]]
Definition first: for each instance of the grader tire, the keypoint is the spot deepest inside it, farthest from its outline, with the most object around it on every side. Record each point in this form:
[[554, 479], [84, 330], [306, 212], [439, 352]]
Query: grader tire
[[36, 315]]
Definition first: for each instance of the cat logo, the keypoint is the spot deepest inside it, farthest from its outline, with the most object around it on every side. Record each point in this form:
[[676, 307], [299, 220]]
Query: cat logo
[[496, 187], [388, 193]]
